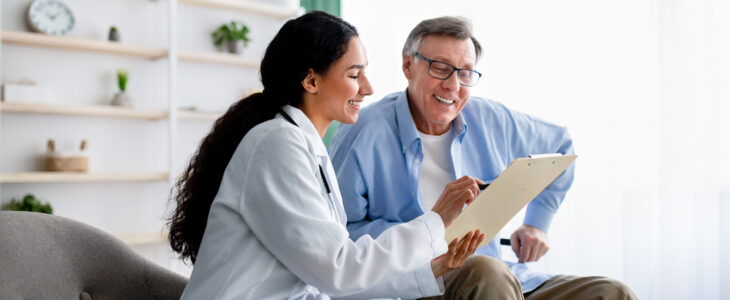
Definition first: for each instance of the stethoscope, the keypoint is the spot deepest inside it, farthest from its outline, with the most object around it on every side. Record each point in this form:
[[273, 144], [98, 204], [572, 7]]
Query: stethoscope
[[331, 203]]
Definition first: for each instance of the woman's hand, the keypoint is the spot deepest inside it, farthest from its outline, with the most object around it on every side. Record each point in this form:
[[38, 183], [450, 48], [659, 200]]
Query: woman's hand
[[458, 252], [456, 193]]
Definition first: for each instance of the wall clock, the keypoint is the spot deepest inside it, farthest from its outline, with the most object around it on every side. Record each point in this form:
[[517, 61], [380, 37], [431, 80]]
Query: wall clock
[[50, 17]]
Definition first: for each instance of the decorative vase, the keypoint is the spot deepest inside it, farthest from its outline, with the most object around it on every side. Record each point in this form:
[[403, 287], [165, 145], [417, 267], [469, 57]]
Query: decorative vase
[[235, 47], [121, 99]]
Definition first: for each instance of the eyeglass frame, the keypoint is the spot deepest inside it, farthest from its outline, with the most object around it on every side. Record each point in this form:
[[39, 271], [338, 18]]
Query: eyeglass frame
[[431, 61]]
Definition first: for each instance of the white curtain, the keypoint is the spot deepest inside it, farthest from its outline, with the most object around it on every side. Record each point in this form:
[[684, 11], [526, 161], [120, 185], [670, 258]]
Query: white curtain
[[643, 87]]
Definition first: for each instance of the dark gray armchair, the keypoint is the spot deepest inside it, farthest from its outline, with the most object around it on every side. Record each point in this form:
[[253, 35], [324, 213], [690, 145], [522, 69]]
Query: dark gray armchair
[[50, 257]]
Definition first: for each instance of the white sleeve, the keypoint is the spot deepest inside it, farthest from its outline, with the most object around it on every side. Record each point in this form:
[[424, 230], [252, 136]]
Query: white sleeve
[[424, 285], [283, 204]]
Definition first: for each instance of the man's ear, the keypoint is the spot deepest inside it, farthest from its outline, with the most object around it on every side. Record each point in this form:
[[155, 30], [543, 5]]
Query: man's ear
[[407, 66], [310, 82]]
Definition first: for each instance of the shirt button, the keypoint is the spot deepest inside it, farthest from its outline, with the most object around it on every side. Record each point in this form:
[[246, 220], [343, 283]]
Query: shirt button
[[415, 160]]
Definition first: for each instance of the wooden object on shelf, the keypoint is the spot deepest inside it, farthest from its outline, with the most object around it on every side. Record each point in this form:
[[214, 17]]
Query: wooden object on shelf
[[219, 58], [35, 177], [255, 7], [83, 110], [60, 42], [74, 161]]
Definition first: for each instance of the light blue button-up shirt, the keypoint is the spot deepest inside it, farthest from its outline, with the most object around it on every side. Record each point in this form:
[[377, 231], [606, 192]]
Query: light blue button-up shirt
[[377, 161]]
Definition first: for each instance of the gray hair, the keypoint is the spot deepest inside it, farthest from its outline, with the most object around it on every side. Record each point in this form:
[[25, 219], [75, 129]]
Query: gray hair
[[458, 27]]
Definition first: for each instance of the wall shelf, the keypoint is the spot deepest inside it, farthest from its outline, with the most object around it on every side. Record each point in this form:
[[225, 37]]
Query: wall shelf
[[70, 43], [141, 239], [188, 115], [36, 177], [83, 110], [259, 8], [219, 58], [105, 111]]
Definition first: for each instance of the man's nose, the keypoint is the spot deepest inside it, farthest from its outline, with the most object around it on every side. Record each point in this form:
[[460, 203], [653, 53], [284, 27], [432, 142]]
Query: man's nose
[[451, 83]]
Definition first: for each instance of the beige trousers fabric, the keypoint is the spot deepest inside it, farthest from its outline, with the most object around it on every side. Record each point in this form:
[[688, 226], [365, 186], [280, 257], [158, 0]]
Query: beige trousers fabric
[[484, 277], [564, 287], [481, 277]]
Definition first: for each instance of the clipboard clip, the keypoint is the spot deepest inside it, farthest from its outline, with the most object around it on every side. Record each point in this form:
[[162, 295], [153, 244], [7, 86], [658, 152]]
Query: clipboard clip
[[545, 155]]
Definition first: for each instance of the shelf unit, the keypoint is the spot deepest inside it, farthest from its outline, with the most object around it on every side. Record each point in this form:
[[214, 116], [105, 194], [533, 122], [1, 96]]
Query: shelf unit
[[173, 56]]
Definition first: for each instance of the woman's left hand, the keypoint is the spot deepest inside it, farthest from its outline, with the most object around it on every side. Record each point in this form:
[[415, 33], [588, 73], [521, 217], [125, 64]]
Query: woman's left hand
[[458, 252]]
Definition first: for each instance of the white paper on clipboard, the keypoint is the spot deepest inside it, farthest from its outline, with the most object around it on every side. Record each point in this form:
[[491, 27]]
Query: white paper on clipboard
[[521, 182]]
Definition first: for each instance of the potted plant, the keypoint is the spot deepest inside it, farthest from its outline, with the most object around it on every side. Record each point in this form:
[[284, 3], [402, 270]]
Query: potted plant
[[235, 34], [30, 203], [121, 98], [113, 34]]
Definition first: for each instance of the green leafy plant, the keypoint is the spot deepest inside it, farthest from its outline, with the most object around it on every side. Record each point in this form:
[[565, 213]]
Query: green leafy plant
[[232, 31], [122, 76], [30, 203]]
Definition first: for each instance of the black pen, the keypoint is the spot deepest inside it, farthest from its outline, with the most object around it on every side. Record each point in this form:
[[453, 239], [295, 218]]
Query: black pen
[[483, 186]]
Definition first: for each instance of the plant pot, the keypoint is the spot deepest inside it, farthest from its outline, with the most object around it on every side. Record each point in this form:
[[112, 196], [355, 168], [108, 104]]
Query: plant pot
[[113, 35], [121, 99], [235, 47]]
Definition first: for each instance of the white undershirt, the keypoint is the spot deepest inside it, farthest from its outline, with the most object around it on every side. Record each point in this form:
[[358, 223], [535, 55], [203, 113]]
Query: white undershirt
[[436, 170]]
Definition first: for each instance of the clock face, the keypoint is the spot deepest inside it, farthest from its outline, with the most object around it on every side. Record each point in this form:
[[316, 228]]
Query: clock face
[[50, 17]]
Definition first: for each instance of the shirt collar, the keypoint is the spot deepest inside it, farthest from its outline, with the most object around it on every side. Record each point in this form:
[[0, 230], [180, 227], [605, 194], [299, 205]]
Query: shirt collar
[[307, 126], [407, 127]]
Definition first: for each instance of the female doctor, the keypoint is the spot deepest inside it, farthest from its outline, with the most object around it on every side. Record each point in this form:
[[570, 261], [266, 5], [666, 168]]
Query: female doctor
[[258, 209]]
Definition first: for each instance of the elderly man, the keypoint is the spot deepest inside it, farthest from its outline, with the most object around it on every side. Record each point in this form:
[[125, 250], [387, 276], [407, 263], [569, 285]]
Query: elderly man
[[407, 149]]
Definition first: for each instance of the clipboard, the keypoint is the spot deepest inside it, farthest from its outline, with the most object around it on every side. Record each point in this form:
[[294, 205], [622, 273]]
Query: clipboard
[[521, 182]]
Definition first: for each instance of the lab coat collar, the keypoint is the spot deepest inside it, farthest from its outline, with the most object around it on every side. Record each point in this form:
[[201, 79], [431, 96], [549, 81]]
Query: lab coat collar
[[307, 126]]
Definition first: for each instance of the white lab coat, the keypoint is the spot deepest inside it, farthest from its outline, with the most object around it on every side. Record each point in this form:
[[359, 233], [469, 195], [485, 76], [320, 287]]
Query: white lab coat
[[274, 233]]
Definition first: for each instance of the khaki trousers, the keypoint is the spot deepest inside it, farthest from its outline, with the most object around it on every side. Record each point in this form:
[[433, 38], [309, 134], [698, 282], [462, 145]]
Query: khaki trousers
[[481, 277], [574, 287], [484, 277]]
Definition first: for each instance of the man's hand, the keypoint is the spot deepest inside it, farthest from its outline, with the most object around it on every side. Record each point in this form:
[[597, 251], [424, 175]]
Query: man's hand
[[529, 243], [458, 252], [456, 193]]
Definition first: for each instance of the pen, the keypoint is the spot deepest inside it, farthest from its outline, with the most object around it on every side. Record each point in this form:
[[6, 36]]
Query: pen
[[483, 186]]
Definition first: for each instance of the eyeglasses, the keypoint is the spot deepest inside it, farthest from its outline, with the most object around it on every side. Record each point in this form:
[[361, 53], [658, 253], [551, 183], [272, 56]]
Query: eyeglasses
[[442, 70]]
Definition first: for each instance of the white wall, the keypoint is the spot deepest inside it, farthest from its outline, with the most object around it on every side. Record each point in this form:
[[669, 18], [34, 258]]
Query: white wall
[[72, 77], [642, 87]]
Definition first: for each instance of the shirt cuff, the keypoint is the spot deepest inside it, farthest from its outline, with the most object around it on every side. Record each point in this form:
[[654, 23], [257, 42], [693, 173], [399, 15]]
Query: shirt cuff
[[428, 285], [435, 226], [539, 216]]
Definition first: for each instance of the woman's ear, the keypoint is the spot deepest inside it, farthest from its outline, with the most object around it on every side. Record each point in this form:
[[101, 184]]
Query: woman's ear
[[310, 82]]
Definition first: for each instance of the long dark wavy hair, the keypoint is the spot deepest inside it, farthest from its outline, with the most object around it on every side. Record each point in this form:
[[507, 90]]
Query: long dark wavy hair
[[313, 41]]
